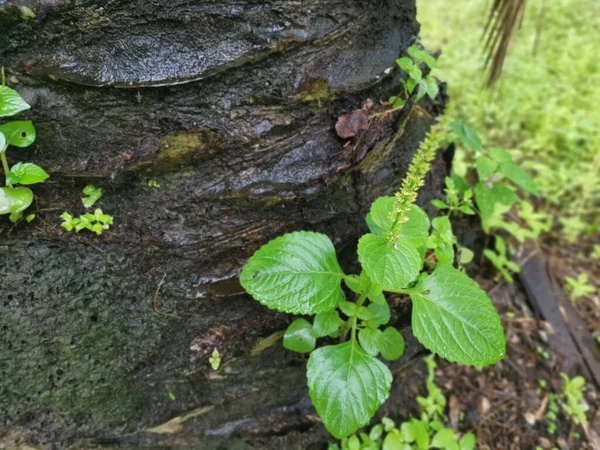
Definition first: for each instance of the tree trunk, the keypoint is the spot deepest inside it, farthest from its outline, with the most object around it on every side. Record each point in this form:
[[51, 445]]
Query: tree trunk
[[230, 106]]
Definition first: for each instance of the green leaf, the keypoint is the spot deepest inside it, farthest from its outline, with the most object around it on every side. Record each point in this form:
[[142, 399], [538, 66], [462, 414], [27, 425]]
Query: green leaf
[[419, 55], [454, 318], [485, 167], [326, 323], [5, 203], [486, 198], [416, 431], [299, 337], [467, 135], [347, 386], [30, 218], [2, 143], [395, 441], [91, 194], [518, 176], [19, 133], [467, 442], [410, 85], [26, 173], [391, 266], [414, 232], [375, 294], [444, 439], [348, 308], [369, 340], [19, 198], [439, 204], [405, 64], [432, 88], [381, 313], [422, 90], [391, 344], [11, 102], [297, 273], [500, 155]]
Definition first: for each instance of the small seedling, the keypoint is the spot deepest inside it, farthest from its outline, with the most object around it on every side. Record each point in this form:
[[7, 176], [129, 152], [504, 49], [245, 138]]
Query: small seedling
[[573, 402], [579, 287], [215, 359], [97, 222], [91, 195], [412, 65]]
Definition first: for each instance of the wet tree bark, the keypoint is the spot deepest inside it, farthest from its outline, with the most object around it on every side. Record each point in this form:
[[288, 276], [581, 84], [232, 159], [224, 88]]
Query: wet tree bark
[[210, 126]]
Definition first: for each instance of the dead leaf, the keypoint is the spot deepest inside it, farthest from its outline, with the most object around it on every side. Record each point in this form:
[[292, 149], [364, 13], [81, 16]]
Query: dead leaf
[[350, 124]]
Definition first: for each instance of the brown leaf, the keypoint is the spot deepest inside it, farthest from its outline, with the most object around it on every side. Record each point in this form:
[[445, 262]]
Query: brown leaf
[[350, 124]]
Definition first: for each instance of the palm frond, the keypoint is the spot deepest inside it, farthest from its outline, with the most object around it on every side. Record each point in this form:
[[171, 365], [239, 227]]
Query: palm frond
[[505, 18]]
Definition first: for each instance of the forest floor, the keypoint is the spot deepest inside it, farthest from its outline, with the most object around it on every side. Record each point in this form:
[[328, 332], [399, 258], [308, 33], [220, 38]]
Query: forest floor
[[544, 111]]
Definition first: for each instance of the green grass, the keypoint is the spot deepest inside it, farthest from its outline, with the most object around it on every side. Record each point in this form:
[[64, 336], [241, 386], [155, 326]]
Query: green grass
[[546, 107]]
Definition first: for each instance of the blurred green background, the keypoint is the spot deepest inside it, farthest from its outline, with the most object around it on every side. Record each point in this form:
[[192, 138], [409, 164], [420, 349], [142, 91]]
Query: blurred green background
[[546, 107]]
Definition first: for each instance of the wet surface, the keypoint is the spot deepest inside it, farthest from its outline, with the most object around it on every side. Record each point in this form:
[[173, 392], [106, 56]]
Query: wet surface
[[230, 108]]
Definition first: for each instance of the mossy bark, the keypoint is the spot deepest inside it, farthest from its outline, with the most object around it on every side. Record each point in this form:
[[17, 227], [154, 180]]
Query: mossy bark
[[210, 126]]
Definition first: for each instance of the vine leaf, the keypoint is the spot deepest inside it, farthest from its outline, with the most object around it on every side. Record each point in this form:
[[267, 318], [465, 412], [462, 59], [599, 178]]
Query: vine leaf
[[347, 386], [11, 102], [297, 273], [414, 232], [454, 318], [391, 266]]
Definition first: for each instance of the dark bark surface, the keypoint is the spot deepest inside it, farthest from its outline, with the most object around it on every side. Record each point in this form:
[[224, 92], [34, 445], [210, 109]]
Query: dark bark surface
[[230, 106]]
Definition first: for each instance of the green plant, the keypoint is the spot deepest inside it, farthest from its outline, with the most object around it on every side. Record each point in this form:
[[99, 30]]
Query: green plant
[[544, 110], [420, 434], [574, 404], [492, 177], [91, 194], [579, 287], [16, 199], [413, 65], [552, 414], [499, 259], [97, 222], [298, 273], [215, 360]]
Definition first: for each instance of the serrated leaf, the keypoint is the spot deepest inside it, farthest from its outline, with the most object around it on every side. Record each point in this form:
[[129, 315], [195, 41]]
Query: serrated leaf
[[26, 173], [326, 323], [20, 133], [518, 176], [391, 266], [11, 102], [467, 135], [391, 344], [91, 194], [297, 273], [369, 340], [485, 167], [347, 386], [454, 318], [414, 232], [299, 337]]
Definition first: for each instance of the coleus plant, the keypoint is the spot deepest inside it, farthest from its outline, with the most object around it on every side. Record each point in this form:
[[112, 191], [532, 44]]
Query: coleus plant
[[15, 197], [298, 273]]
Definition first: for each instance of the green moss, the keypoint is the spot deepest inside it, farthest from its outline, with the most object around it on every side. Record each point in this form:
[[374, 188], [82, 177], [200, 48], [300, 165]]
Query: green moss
[[315, 91], [181, 149]]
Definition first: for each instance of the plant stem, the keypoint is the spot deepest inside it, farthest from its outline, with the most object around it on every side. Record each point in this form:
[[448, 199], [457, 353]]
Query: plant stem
[[4, 163], [359, 303]]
